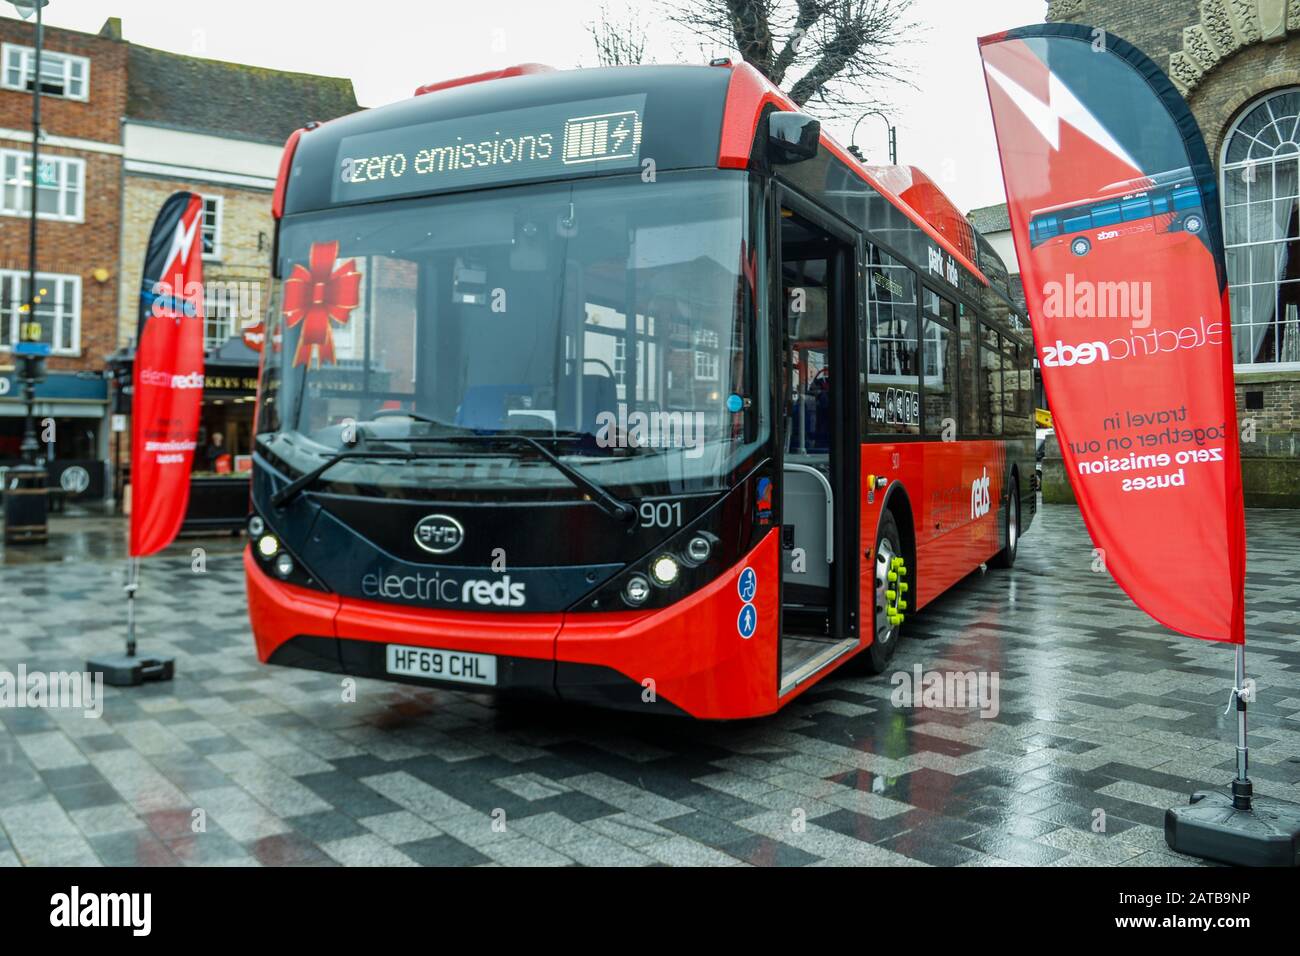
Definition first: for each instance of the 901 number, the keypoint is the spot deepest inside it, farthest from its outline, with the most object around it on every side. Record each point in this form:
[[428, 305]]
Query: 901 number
[[661, 514]]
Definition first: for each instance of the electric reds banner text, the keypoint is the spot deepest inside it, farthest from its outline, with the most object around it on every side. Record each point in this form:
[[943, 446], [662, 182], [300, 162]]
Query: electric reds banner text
[[1115, 216], [168, 375]]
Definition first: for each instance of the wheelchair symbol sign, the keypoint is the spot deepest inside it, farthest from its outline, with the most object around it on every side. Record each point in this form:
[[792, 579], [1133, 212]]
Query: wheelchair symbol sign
[[747, 585], [747, 621]]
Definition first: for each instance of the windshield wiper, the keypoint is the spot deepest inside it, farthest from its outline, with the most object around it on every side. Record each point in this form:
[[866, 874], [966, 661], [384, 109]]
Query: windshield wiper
[[608, 503], [293, 488], [614, 507]]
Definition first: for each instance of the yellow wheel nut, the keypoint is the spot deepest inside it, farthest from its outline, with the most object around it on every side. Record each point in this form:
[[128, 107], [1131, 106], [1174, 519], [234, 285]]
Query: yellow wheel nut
[[891, 595], [902, 605], [903, 587], [892, 576]]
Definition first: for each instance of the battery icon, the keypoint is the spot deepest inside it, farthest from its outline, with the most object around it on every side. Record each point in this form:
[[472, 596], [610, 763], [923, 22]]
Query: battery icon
[[594, 139]]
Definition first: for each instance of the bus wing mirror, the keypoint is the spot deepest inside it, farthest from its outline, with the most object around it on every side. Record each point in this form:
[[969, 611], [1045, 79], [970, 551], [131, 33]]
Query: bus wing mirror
[[792, 137]]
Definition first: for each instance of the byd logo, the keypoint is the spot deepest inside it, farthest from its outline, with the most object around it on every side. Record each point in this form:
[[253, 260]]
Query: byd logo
[[439, 534], [980, 500]]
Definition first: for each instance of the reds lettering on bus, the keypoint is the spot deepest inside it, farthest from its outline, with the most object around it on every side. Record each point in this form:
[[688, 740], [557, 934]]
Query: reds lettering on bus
[[434, 588]]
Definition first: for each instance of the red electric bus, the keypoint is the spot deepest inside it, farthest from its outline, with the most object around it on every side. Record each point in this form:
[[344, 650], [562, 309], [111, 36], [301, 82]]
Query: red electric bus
[[624, 386], [1168, 201]]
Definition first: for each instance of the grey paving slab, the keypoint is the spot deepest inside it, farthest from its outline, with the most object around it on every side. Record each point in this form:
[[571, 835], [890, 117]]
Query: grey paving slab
[[1101, 711]]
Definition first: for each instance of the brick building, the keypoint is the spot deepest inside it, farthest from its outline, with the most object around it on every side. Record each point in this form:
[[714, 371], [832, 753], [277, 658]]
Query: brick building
[[79, 181], [1237, 62]]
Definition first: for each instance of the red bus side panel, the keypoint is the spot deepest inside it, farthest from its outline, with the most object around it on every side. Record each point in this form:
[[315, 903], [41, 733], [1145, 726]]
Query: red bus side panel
[[957, 517]]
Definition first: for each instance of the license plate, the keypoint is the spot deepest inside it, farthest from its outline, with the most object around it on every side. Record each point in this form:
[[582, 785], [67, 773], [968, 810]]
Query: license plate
[[459, 666]]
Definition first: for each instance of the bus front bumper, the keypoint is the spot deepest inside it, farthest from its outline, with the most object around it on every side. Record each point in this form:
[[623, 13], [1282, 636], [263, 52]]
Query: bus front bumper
[[687, 658]]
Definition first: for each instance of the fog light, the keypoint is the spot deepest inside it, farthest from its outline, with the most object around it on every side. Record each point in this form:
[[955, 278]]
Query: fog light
[[664, 569], [256, 526], [284, 564], [267, 545], [698, 548], [636, 590]]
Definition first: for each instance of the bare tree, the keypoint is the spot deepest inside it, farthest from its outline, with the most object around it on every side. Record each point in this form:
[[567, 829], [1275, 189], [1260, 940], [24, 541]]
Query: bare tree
[[618, 42], [828, 51]]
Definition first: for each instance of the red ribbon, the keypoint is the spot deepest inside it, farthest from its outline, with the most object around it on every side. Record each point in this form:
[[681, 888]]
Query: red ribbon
[[317, 296]]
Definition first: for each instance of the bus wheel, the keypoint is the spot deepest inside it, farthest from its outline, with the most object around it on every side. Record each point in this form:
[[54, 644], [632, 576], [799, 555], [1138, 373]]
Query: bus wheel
[[891, 597], [1080, 246], [1007, 556], [1193, 224]]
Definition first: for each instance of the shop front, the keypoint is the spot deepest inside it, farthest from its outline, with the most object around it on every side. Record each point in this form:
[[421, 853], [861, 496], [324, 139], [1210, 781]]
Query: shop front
[[223, 450], [70, 426]]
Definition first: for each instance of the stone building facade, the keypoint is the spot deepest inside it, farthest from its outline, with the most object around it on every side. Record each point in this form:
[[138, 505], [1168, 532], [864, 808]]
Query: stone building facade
[[1237, 62]]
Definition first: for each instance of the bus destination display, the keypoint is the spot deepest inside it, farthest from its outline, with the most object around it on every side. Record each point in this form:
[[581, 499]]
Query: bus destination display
[[542, 142]]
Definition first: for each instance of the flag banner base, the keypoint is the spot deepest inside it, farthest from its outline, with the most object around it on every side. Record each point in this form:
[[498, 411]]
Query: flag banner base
[[123, 670], [1211, 827]]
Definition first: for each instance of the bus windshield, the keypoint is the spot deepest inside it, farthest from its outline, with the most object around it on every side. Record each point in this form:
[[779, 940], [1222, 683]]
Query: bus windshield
[[506, 312]]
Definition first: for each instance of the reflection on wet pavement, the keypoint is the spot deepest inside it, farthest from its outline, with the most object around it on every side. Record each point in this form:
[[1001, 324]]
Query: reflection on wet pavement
[[1104, 718]]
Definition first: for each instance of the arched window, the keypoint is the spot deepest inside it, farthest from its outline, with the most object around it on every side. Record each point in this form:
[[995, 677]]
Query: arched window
[[1261, 199]]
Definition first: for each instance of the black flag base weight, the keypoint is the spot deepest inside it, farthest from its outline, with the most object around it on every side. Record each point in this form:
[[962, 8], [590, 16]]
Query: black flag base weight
[[123, 670], [1236, 828]]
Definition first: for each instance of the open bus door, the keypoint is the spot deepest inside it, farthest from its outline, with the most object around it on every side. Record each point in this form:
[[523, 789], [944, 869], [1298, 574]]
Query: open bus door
[[818, 441]]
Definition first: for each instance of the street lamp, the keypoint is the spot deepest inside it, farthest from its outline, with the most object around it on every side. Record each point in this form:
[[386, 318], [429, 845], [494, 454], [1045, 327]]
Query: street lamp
[[25, 495], [893, 135]]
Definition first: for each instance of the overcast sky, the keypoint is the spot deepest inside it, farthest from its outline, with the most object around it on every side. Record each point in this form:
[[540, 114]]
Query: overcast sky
[[389, 48]]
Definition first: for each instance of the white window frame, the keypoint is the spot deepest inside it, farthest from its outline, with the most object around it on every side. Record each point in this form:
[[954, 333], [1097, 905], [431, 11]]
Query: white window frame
[[24, 158], [54, 283], [1227, 169], [26, 57], [218, 206], [217, 304]]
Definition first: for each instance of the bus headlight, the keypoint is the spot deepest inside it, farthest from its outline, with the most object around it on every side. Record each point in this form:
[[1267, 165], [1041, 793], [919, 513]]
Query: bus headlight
[[698, 549], [664, 569], [267, 545], [636, 590], [256, 526], [284, 564]]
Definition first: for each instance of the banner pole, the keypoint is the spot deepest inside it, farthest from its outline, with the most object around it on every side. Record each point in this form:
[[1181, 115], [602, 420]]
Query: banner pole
[[1241, 788], [132, 582]]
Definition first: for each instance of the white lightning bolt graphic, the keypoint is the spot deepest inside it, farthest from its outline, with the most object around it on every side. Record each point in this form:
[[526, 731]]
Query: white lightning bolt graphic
[[620, 133], [182, 240], [1062, 106]]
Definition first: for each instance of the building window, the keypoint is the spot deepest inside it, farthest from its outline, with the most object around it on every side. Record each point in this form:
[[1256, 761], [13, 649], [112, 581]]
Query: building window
[[211, 227], [60, 186], [706, 355], [1261, 199], [58, 312], [61, 73], [218, 317]]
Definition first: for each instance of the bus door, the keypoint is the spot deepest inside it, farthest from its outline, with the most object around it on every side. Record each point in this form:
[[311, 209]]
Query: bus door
[[818, 442]]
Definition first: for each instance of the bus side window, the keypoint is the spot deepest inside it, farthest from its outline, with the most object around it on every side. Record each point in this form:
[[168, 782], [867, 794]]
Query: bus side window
[[1078, 223], [970, 390], [1188, 197], [991, 381], [939, 368], [1105, 215], [892, 403], [1136, 209]]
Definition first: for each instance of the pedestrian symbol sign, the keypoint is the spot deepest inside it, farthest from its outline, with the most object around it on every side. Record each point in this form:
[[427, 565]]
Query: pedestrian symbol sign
[[747, 621]]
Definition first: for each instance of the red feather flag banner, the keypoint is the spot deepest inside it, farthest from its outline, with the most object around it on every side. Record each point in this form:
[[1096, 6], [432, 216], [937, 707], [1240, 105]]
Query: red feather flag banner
[[167, 397], [1114, 211], [168, 376]]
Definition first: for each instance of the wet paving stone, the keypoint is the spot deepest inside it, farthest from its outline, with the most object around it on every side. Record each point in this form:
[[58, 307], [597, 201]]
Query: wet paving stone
[[1103, 719]]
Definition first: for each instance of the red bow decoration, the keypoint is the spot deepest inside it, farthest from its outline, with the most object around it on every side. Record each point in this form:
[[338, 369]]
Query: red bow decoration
[[317, 296]]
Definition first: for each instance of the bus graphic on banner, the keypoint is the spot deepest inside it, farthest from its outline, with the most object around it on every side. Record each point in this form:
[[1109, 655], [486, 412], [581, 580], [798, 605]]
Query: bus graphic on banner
[[1162, 202]]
